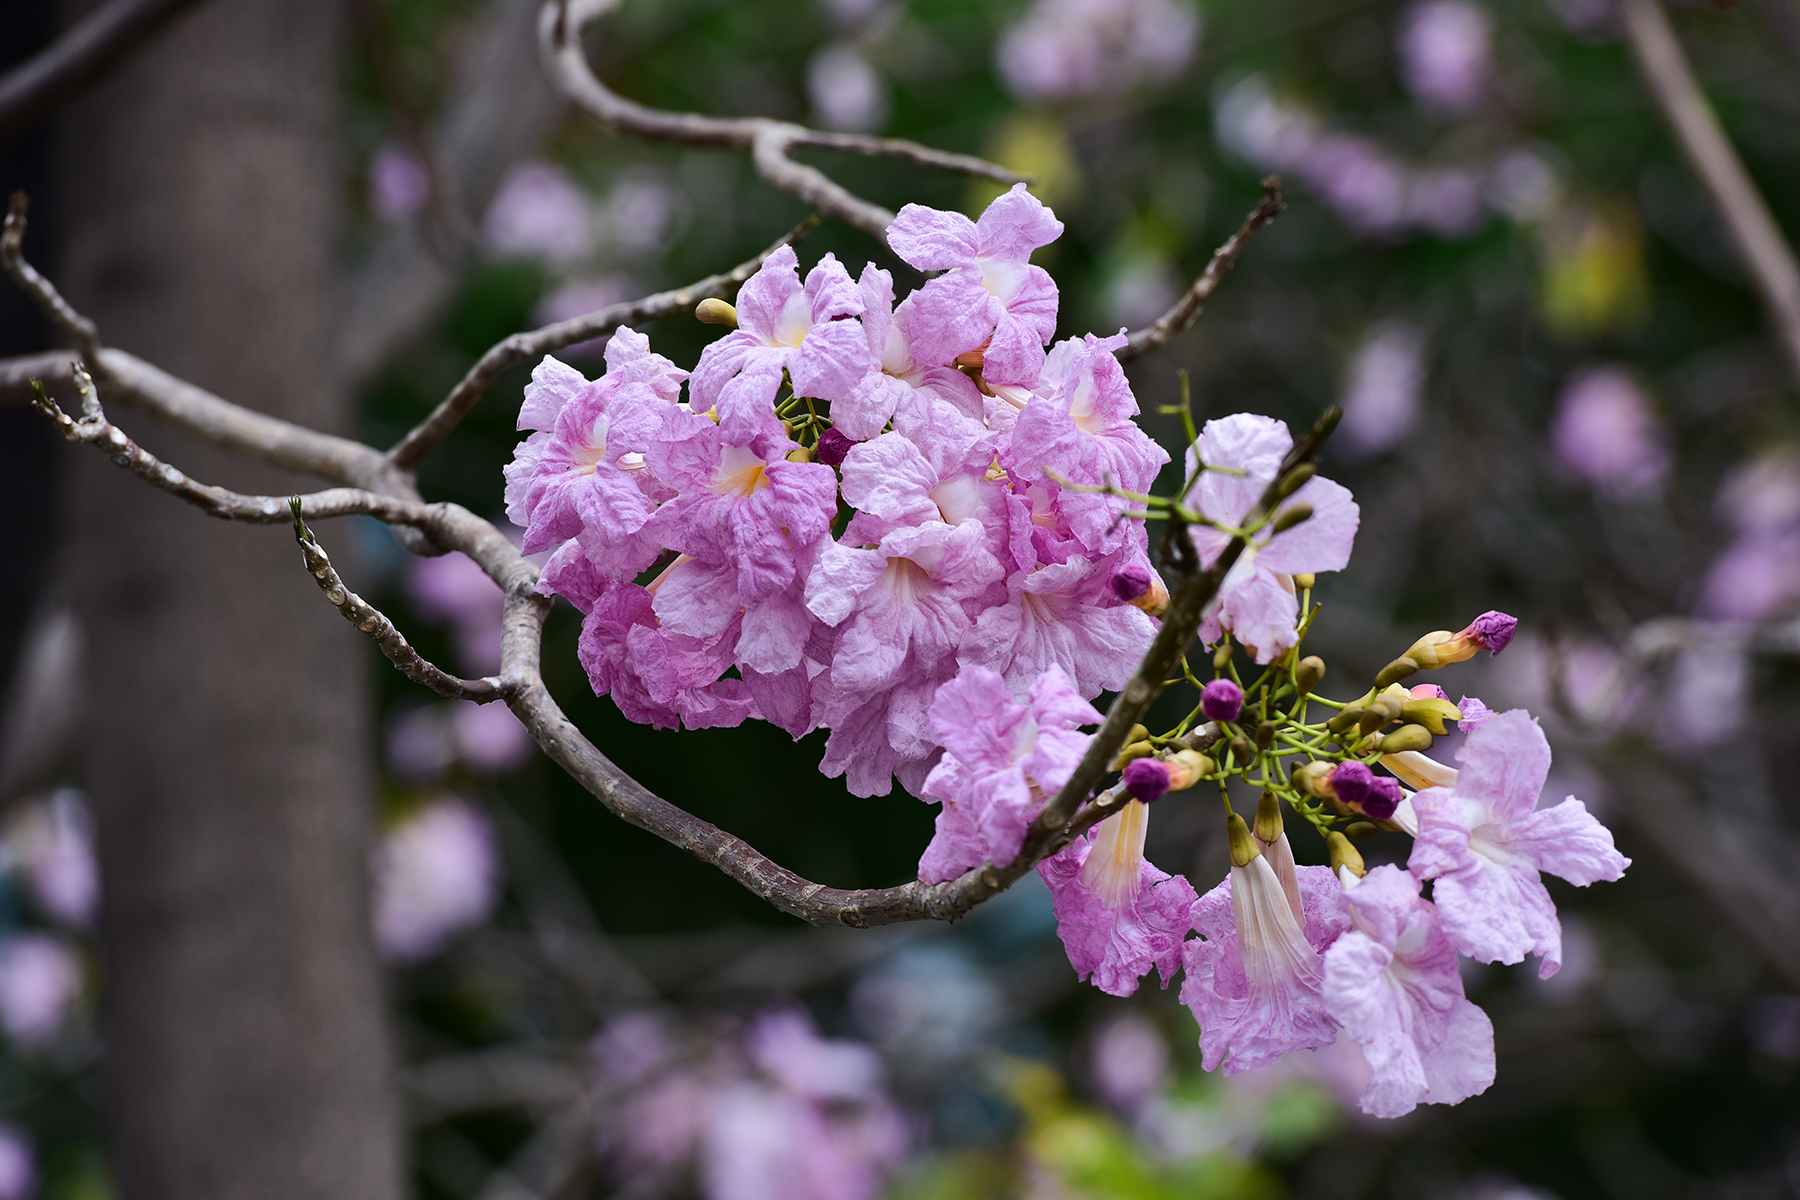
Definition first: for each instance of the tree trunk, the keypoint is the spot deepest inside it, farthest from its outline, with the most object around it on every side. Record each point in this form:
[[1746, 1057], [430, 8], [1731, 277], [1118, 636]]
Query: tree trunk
[[228, 748]]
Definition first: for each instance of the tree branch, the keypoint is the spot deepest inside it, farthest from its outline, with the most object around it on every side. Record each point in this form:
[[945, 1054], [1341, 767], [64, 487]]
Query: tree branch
[[79, 58], [521, 347], [559, 27], [1709, 151], [1187, 309]]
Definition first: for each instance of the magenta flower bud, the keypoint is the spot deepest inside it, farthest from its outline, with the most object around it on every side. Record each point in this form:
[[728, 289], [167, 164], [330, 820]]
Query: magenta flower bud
[[1383, 798], [1222, 700], [1352, 782], [1493, 630], [1131, 582], [1146, 779], [832, 447]]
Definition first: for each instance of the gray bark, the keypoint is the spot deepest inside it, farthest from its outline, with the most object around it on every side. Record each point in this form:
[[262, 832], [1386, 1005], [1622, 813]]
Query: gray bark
[[228, 747]]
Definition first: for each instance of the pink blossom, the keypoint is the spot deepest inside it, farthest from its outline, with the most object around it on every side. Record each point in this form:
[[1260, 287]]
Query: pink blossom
[[539, 212], [1116, 913], [808, 331], [1221, 700], [489, 738], [455, 591], [916, 396], [1383, 388], [1003, 760], [1062, 615], [40, 981], [1254, 975], [1445, 59], [1607, 432], [1256, 602], [1081, 426], [1483, 840], [1063, 49], [399, 185], [991, 296], [1361, 180], [882, 736], [845, 90], [583, 474], [1130, 1062], [1392, 982], [18, 1164], [436, 875], [1757, 577], [53, 843]]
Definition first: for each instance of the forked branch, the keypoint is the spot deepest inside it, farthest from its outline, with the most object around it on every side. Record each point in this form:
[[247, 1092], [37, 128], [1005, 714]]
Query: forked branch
[[770, 141]]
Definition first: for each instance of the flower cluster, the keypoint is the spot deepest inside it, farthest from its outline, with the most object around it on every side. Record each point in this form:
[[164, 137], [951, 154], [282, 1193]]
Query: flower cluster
[[854, 499]]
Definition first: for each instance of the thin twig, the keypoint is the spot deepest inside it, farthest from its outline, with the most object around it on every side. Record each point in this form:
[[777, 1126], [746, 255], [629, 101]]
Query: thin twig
[[768, 140], [1186, 310], [370, 620], [80, 58], [521, 347], [1710, 152], [62, 314]]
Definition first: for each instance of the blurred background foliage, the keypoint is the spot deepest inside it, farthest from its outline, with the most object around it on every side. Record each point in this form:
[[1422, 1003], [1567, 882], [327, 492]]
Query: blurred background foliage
[[1561, 401]]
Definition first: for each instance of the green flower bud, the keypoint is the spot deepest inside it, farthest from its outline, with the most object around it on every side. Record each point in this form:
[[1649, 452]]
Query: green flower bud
[[1308, 672], [1243, 846], [1292, 516], [1407, 737], [1394, 672], [1343, 854], [1268, 818], [713, 311]]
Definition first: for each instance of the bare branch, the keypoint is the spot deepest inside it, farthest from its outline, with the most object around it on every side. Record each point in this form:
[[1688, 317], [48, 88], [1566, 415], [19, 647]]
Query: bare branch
[[43, 293], [559, 27], [1710, 152], [522, 347], [80, 58], [16, 375], [1187, 309], [367, 618]]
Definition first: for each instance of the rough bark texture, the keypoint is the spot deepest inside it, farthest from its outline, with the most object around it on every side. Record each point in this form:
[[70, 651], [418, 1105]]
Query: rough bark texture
[[247, 1048]]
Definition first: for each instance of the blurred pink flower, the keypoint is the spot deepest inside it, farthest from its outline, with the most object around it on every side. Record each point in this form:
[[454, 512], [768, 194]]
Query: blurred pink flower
[[399, 185], [436, 874], [1129, 1063], [845, 91], [1382, 388], [53, 843], [1445, 57], [1758, 575], [18, 1163], [539, 212], [40, 980], [1607, 432], [452, 590], [1063, 49], [489, 738]]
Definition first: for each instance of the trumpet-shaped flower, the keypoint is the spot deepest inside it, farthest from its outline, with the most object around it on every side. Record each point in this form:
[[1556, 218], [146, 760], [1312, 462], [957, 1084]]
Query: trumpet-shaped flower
[[1254, 976], [1392, 982], [1256, 601], [1484, 841], [1002, 761], [914, 394], [1118, 915], [807, 330], [990, 298]]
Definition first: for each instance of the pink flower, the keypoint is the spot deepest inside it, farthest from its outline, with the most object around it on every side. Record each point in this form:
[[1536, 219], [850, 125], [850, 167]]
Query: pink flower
[[539, 212], [1063, 615], [880, 737], [1607, 432], [1081, 425], [1064, 49], [53, 842], [1116, 913], [1256, 602], [489, 738], [453, 590], [808, 331], [1392, 982], [1002, 762], [1254, 976], [40, 982], [399, 185], [18, 1164], [582, 475], [914, 395], [991, 296], [1483, 840], [1383, 389], [1444, 55], [436, 874]]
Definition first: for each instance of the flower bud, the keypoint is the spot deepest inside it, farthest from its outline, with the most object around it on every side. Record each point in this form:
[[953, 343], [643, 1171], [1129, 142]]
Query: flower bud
[[714, 311], [803, 455], [833, 446], [1265, 735], [1155, 598], [1294, 480], [1394, 672], [1292, 516], [1358, 787], [1491, 631], [1314, 778], [1427, 691], [1358, 829], [1131, 581], [1351, 715], [1343, 854], [1308, 672], [1186, 768], [1431, 713], [1222, 655], [1388, 706], [1130, 752], [1243, 846], [1372, 718], [1222, 700], [1268, 818], [1146, 779], [1242, 751], [1407, 737], [1305, 581]]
